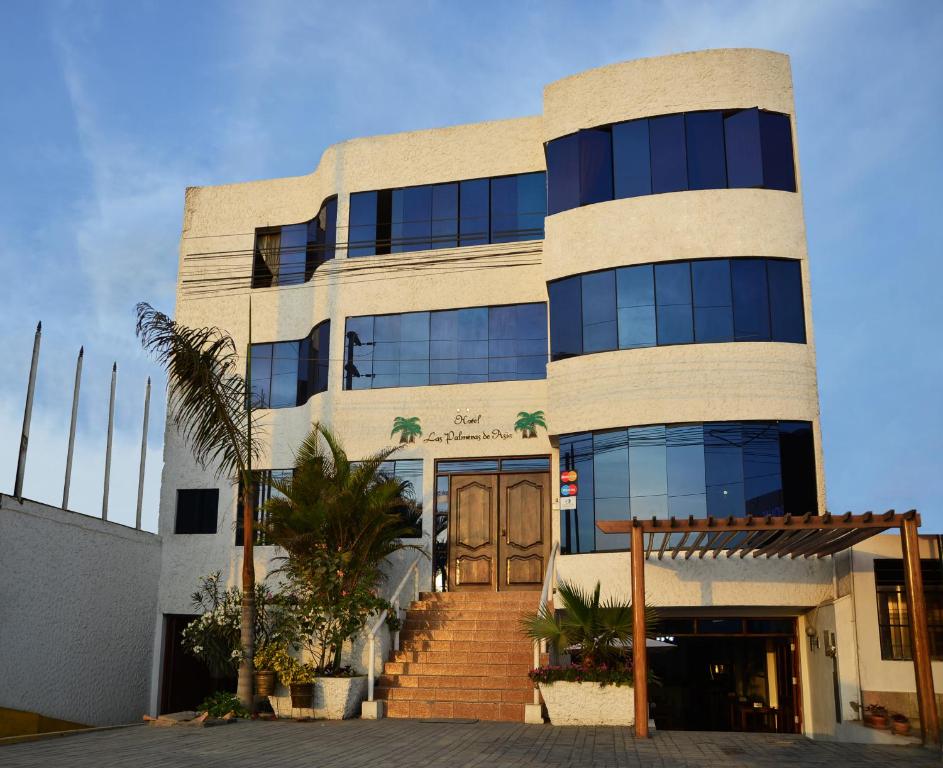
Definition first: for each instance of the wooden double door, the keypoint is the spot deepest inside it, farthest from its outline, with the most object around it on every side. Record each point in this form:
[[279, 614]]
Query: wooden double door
[[499, 531]]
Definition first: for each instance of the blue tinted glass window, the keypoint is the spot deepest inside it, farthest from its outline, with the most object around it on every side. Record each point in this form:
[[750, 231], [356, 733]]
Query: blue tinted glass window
[[261, 376], [473, 345], [358, 353], [566, 329], [321, 356], [669, 161], [443, 347], [707, 163], [632, 166], [386, 334], [779, 171], [474, 203], [414, 349], [595, 166], [648, 471], [762, 482], [687, 490], [518, 207], [444, 215], [363, 224], [635, 295], [723, 469], [599, 311], [563, 174], [673, 302], [750, 299], [744, 153], [713, 306], [322, 234], [610, 453], [787, 318], [284, 388], [578, 526], [411, 219], [293, 254]]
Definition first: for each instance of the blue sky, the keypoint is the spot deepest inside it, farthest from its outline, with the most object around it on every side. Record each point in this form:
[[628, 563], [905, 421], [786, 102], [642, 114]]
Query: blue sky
[[111, 109]]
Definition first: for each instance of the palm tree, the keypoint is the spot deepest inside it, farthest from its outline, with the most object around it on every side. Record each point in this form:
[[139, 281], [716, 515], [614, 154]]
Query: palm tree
[[527, 423], [602, 631], [339, 520], [208, 403], [409, 428]]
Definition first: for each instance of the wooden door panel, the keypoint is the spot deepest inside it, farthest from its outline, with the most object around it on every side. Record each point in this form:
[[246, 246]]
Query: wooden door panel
[[524, 542], [473, 542]]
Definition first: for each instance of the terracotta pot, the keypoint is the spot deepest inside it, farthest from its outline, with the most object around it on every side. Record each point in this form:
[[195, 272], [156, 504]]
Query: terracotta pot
[[264, 682], [900, 728], [301, 695], [879, 721]]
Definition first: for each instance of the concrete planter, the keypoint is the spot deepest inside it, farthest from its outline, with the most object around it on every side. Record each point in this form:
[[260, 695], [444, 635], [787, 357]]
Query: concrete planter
[[589, 703], [335, 698]]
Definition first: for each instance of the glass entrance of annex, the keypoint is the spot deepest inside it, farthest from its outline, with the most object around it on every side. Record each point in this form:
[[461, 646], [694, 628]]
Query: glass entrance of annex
[[726, 674]]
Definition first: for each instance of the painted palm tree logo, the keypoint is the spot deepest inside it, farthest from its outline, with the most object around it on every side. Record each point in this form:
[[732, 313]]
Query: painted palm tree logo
[[527, 423], [409, 428]]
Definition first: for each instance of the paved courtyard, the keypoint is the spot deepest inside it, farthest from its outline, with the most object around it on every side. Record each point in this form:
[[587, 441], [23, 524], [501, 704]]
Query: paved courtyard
[[414, 743]]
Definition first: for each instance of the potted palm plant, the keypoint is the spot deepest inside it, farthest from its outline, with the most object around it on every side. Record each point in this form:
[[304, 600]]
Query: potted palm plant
[[338, 521], [597, 688]]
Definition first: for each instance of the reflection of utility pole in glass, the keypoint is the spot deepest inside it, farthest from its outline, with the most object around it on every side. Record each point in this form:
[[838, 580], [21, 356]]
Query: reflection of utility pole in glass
[[350, 370]]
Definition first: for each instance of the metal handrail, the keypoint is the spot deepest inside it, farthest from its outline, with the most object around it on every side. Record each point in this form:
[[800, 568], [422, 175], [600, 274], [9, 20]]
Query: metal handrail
[[544, 596], [394, 600]]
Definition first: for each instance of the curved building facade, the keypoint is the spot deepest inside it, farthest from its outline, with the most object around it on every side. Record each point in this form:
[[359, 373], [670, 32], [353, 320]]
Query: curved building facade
[[618, 288]]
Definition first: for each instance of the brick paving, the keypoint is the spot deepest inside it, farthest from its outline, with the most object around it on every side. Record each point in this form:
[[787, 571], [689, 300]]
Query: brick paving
[[413, 743]]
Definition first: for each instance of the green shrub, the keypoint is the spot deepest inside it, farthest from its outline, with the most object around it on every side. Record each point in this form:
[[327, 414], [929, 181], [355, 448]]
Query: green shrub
[[221, 702]]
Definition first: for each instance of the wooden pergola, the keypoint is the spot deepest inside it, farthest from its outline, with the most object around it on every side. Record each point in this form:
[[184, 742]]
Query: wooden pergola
[[791, 536]]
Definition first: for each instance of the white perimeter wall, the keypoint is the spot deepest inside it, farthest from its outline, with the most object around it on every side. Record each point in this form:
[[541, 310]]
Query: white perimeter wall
[[78, 598]]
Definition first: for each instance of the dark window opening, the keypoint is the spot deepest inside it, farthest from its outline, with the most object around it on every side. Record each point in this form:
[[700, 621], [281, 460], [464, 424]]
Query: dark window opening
[[894, 612], [196, 510]]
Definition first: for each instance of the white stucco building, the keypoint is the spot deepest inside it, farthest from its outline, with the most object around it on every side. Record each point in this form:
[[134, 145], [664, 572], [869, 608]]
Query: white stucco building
[[619, 288]]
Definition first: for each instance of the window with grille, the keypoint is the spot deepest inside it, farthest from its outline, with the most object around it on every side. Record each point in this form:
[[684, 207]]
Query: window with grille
[[894, 613]]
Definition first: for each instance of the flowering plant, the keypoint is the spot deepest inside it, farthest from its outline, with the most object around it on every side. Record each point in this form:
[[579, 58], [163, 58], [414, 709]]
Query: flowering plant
[[604, 674], [213, 637], [290, 670]]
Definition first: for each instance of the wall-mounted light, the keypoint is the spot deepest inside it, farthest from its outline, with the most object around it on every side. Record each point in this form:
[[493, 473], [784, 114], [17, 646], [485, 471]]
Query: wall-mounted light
[[813, 638]]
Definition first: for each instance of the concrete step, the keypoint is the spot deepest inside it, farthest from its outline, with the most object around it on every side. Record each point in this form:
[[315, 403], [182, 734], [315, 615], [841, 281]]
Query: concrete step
[[418, 621], [461, 682], [466, 657], [470, 670], [482, 636], [466, 645], [474, 695], [494, 711]]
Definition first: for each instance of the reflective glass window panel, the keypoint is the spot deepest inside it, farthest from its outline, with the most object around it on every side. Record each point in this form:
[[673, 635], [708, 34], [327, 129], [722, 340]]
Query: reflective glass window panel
[[673, 302], [473, 345], [687, 491], [322, 235], [648, 471], [566, 330], [635, 298], [468, 466], [578, 527], [197, 510], [293, 254], [599, 311], [595, 166], [386, 334], [763, 489], [284, 392], [411, 221], [306, 366], [669, 161], [409, 471], [610, 452], [750, 300], [517, 342], [414, 349], [631, 155], [474, 205], [720, 626], [797, 466], [713, 307], [563, 174], [320, 355], [536, 464], [261, 380], [445, 215], [723, 469], [744, 151], [362, 234], [779, 171], [358, 371], [443, 347], [707, 163], [787, 319], [518, 207], [770, 626]]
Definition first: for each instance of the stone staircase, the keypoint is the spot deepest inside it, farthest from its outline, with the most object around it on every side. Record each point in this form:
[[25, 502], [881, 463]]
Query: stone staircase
[[462, 655]]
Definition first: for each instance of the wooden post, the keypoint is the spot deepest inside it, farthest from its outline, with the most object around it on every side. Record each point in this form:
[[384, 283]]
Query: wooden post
[[639, 649], [919, 633]]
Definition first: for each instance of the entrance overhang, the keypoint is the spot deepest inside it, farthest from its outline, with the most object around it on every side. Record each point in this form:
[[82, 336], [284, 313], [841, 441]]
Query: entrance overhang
[[764, 538]]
